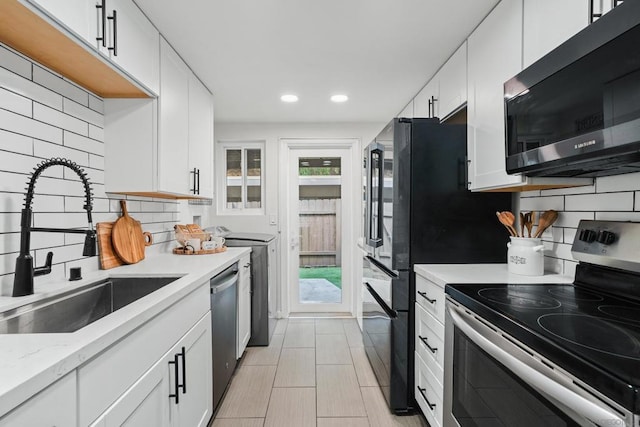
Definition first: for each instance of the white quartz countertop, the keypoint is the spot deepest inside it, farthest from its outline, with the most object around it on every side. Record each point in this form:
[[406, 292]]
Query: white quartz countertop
[[31, 362], [443, 274]]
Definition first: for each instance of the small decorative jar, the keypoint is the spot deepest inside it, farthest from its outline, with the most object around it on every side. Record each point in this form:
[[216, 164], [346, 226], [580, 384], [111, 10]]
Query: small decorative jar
[[525, 256]]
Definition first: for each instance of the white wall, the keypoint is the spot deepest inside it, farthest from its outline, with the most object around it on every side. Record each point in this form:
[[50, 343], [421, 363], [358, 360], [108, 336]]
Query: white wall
[[43, 116], [610, 198], [271, 134]]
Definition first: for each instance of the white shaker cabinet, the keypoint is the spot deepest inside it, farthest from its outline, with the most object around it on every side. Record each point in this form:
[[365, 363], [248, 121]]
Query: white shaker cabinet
[[548, 23], [244, 305], [200, 138], [78, 16], [426, 99], [452, 80], [53, 406], [494, 56], [173, 130], [133, 42]]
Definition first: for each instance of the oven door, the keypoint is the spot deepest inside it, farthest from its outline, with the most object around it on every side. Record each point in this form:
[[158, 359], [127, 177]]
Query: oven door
[[491, 381]]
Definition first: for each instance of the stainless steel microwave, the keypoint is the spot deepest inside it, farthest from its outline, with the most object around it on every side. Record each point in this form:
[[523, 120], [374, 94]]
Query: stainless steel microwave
[[576, 111]]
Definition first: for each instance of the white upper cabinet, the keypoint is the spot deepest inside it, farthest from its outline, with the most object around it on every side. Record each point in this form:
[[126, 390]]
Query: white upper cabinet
[[452, 81], [548, 23], [423, 103], [200, 138], [75, 15], [173, 130], [133, 42], [494, 56]]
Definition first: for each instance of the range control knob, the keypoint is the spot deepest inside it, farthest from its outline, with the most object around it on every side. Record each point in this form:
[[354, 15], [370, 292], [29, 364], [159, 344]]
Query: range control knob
[[606, 237], [587, 235]]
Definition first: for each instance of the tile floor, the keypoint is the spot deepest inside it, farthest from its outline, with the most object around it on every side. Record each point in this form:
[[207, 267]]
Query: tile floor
[[314, 373]]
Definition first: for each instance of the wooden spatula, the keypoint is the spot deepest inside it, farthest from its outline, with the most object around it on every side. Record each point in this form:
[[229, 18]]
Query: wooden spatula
[[547, 218], [127, 237]]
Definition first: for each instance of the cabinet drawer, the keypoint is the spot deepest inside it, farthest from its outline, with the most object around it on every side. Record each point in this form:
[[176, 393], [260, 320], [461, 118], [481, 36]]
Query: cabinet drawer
[[428, 329], [106, 377], [431, 297], [425, 383]]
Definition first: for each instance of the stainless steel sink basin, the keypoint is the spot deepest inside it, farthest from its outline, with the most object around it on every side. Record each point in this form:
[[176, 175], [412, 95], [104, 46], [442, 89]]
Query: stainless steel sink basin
[[78, 308]]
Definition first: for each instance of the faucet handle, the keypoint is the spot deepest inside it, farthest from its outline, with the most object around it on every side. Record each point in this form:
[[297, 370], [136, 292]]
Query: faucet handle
[[46, 268]]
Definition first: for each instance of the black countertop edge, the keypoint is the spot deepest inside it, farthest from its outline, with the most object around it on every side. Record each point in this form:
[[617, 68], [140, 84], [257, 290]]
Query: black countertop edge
[[617, 389]]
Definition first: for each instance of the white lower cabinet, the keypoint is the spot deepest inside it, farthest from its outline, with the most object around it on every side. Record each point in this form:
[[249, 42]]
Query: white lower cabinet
[[429, 345], [53, 406], [244, 305]]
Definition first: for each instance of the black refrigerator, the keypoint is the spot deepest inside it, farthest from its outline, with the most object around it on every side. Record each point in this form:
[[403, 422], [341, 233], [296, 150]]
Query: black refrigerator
[[417, 211]]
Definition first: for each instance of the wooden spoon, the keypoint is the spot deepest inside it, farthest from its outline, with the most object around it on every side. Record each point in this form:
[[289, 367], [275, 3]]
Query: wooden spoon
[[529, 218], [523, 220], [546, 220], [504, 220], [511, 219]]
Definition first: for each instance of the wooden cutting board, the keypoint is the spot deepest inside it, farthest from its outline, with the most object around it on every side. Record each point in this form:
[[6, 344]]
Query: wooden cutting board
[[127, 237], [108, 257]]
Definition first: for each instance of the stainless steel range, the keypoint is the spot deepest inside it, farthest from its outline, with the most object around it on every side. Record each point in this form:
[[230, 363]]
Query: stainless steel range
[[557, 355]]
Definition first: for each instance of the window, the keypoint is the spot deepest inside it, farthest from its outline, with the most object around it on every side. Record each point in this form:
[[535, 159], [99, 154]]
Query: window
[[241, 177]]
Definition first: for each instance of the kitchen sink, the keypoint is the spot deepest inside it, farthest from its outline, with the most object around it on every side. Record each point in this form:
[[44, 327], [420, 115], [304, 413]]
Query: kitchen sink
[[75, 309]]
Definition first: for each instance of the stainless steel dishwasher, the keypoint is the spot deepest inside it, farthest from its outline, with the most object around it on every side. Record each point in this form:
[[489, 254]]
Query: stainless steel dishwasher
[[224, 308]]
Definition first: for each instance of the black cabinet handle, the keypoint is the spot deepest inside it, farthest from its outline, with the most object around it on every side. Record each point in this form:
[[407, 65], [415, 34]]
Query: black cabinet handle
[[184, 370], [424, 295], [424, 341], [114, 47], [103, 18], [196, 180], [198, 188], [393, 314], [429, 404], [174, 362], [430, 106]]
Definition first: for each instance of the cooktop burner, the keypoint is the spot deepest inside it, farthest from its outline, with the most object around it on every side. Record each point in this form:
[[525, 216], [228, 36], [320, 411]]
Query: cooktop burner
[[519, 298], [573, 293], [596, 333], [625, 313]]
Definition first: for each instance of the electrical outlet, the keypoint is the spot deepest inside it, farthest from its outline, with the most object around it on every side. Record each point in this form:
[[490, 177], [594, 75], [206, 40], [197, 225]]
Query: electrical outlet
[[273, 219]]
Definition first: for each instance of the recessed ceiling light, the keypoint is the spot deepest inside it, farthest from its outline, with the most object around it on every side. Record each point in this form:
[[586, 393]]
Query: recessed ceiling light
[[289, 98], [339, 98]]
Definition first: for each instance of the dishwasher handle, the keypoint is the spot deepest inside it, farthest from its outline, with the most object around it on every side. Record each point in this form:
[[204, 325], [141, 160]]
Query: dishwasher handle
[[233, 279]]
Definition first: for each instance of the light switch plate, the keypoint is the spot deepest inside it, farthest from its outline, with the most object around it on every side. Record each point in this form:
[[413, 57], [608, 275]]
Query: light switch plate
[[273, 219]]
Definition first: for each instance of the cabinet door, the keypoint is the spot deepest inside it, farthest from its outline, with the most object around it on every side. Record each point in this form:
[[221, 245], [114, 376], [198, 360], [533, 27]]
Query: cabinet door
[[195, 405], [146, 403], [495, 55], [135, 42], [244, 305], [453, 83], [76, 15], [54, 406], [173, 135], [423, 102], [548, 23], [201, 135]]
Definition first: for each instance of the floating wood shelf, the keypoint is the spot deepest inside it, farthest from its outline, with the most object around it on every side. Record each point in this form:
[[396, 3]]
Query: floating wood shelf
[[36, 37]]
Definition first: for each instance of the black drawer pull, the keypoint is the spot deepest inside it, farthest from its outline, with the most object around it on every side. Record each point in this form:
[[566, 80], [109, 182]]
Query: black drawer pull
[[174, 362], [184, 370], [429, 404], [424, 295], [424, 341]]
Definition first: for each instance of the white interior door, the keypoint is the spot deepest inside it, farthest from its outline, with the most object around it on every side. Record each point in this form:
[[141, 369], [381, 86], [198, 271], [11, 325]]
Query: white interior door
[[320, 225]]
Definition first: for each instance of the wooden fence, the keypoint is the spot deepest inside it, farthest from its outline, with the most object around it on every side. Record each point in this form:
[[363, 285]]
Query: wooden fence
[[320, 232]]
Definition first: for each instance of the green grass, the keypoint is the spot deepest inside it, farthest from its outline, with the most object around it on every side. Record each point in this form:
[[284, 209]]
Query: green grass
[[332, 274]]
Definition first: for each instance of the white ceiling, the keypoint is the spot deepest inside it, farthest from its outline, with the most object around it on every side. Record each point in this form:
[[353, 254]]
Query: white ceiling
[[378, 52]]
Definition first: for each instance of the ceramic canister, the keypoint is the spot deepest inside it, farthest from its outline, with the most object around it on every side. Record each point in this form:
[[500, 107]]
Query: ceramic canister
[[525, 256]]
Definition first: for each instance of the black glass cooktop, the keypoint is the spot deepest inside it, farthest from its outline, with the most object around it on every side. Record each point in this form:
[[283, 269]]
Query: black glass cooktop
[[592, 335]]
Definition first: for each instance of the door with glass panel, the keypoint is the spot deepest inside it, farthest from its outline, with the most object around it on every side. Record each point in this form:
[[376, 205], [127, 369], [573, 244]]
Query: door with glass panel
[[319, 184]]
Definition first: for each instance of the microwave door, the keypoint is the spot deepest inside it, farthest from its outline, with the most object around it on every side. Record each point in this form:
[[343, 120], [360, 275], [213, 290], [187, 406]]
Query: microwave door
[[374, 188]]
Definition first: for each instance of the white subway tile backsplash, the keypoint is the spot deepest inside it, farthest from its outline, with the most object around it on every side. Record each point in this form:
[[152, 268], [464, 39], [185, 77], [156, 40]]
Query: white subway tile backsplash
[[68, 220], [16, 143], [76, 204], [83, 143], [96, 162], [553, 265], [61, 254], [570, 268], [83, 113], [44, 240], [9, 243], [25, 126], [16, 103], [44, 203], [46, 150], [534, 193], [96, 133], [572, 190], [60, 119], [29, 89], [15, 63], [19, 163], [96, 104], [572, 219], [626, 182], [618, 216], [600, 202], [59, 85], [542, 203], [569, 235]]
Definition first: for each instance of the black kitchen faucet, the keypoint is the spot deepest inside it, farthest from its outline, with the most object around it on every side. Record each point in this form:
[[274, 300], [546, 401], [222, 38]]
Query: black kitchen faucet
[[23, 280]]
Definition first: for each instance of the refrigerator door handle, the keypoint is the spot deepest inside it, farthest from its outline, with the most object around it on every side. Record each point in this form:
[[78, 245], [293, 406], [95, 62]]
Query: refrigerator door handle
[[372, 150], [390, 312], [392, 274]]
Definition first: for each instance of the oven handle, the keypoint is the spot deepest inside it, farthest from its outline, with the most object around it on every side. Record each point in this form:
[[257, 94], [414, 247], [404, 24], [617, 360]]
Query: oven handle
[[545, 385], [390, 312]]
